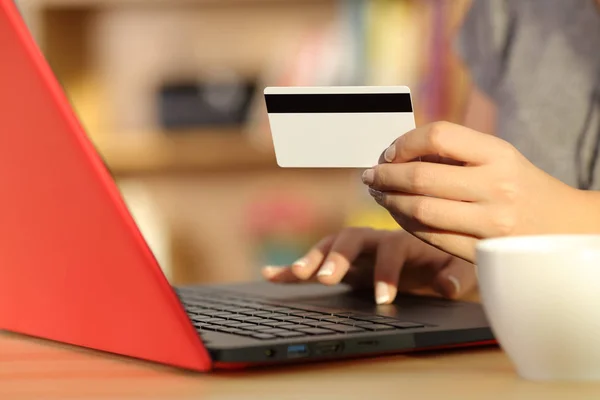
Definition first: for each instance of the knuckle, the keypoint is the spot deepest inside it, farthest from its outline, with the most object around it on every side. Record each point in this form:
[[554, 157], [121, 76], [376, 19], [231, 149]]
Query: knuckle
[[503, 222], [507, 190], [508, 150], [420, 178], [435, 134], [421, 210]]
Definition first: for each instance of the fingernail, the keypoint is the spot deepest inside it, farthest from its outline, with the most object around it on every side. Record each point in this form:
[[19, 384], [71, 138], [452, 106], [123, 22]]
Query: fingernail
[[377, 195], [270, 271], [301, 263], [382, 293], [455, 282], [390, 153], [327, 269], [368, 176]]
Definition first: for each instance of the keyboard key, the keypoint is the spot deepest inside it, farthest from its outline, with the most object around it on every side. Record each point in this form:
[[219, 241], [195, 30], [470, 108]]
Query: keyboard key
[[343, 328], [200, 317], [293, 326], [363, 317], [266, 314], [257, 327], [232, 322], [313, 322], [276, 323], [239, 310], [378, 319], [210, 312], [243, 317], [216, 321], [295, 319], [283, 310], [309, 314], [377, 327], [195, 310], [263, 336], [245, 333], [288, 334], [283, 317], [404, 325], [224, 314], [258, 320], [361, 323], [243, 325], [315, 331], [274, 331], [337, 320]]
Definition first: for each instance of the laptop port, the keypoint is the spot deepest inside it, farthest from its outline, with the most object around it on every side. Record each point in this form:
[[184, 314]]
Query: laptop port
[[297, 351], [270, 353], [323, 349]]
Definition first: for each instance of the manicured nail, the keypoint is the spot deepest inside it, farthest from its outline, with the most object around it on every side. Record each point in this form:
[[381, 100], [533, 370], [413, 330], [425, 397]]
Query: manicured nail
[[270, 271], [327, 269], [301, 263], [382, 293], [390, 153], [368, 176], [377, 195], [455, 282]]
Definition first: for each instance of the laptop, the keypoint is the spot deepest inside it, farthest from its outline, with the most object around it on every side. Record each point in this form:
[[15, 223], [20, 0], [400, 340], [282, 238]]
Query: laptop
[[75, 269]]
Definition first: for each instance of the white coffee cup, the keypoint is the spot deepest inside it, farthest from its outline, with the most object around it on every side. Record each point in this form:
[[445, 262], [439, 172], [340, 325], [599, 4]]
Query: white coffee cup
[[541, 295]]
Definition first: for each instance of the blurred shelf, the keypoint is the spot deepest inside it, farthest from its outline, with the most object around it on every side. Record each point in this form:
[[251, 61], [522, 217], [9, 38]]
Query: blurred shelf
[[154, 153]]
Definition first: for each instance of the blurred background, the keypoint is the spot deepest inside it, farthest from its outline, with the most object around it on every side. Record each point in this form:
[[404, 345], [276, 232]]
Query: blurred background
[[170, 91]]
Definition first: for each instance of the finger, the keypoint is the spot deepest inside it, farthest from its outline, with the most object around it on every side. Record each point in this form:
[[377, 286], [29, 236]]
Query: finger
[[307, 266], [435, 158], [438, 180], [391, 256], [462, 246], [456, 280], [459, 245], [280, 275], [440, 214], [445, 140], [348, 245]]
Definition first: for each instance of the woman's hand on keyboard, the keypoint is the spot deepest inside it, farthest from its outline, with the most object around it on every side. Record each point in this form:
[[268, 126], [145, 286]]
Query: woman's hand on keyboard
[[392, 261]]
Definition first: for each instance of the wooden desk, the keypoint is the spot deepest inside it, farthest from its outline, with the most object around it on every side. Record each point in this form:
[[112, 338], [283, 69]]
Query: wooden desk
[[34, 369]]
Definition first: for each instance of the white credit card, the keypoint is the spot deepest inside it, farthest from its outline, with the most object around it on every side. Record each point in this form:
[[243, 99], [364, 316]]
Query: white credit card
[[336, 127]]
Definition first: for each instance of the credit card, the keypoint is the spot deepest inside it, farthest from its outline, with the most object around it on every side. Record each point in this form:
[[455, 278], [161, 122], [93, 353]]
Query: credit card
[[336, 127]]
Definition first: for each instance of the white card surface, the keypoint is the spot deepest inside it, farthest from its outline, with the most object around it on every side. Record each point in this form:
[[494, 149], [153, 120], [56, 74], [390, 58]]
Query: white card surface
[[336, 127]]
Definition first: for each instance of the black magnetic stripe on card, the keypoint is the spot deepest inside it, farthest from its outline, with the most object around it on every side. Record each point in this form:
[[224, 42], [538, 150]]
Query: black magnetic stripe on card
[[339, 103]]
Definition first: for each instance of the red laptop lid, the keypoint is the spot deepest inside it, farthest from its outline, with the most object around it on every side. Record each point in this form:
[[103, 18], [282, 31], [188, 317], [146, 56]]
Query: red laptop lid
[[73, 265]]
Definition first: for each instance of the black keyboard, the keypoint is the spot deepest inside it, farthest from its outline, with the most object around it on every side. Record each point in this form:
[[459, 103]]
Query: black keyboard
[[212, 311]]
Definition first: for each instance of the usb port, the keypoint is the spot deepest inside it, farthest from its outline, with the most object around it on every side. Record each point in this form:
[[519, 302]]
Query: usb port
[[323, 349], [297, 351]]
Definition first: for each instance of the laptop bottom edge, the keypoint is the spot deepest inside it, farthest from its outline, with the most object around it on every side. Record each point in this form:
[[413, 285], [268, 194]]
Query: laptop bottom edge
[[327, 349], [234, 366]]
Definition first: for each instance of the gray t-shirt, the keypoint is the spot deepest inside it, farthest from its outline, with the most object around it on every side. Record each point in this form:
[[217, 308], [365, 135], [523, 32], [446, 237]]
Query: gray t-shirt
[[539, 60]]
